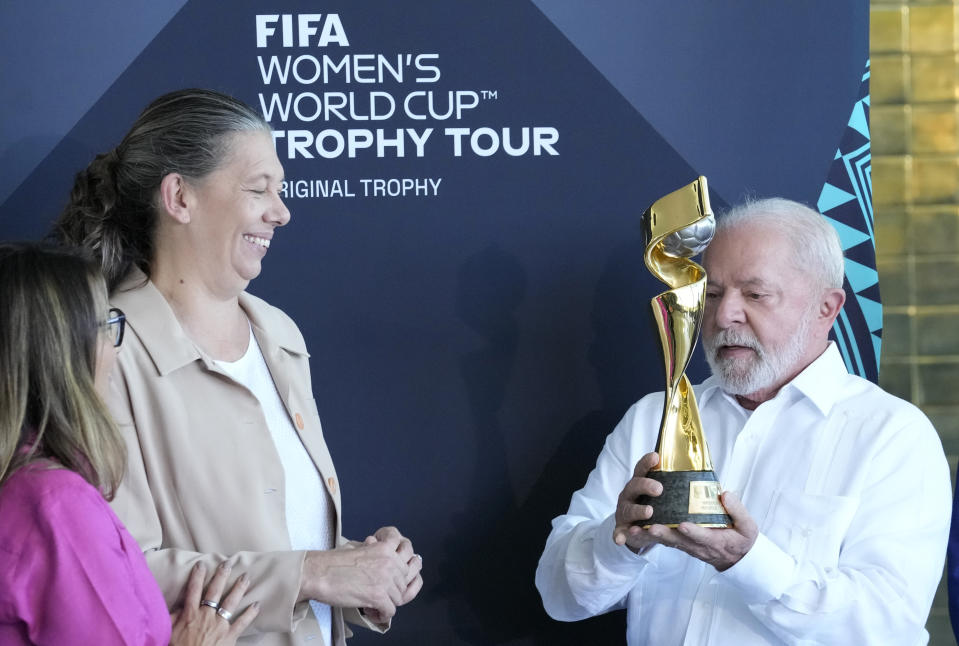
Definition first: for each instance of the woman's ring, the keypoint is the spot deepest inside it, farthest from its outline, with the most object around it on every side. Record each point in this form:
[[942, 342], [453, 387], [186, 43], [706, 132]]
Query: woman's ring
[[212, 604], [223, 612]]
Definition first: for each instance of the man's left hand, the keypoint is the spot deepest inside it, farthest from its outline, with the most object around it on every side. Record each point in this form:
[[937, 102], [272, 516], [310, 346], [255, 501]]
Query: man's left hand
[[721, 548]]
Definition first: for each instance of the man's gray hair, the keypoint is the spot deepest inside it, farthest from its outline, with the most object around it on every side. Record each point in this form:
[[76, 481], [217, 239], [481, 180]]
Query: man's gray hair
[[816, 245]]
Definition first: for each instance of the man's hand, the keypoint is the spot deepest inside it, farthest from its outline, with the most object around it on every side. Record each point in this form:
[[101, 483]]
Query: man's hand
[[629, 512], [721, 548], [379, 574]]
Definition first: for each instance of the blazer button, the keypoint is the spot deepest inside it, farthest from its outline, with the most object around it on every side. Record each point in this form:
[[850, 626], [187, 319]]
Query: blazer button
[[299, 421], [332, 482]]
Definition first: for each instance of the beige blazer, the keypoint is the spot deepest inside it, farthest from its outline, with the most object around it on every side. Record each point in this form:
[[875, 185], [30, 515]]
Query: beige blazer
[[204, 481]]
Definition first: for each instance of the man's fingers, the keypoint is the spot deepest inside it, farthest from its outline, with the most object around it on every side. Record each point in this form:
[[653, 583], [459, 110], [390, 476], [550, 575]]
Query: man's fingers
[[622, 534], [631, 512], [641, 486], [734, 506], [628, 510], [645, 463], [695, 532], [688, 537], [632, 521], [742, 521], [665, 535]]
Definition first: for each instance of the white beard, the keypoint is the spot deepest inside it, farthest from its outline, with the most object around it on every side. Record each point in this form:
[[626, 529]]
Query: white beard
[[768, 368]]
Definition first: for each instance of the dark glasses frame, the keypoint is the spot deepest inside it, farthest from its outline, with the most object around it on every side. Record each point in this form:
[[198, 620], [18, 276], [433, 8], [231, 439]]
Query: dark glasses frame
[[116, 325]]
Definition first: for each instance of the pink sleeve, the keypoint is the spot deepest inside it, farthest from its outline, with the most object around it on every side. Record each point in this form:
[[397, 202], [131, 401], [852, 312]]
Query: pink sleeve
[[77, 577]]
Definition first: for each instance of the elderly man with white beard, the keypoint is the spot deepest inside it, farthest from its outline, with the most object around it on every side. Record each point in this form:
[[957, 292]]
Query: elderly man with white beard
[[839, 492]]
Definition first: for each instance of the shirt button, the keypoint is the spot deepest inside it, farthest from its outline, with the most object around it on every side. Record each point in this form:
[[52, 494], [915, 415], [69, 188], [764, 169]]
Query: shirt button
[[299, 421]]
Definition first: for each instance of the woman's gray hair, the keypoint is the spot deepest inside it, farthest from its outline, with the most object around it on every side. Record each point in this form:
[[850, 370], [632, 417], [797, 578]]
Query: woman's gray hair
[[815, 241], [113, 206]]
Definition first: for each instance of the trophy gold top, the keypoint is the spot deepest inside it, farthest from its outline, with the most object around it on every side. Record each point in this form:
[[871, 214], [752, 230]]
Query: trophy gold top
[[677, 227]]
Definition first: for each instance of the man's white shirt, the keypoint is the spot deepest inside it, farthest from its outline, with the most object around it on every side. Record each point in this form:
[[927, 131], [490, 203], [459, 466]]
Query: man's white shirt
[[851, 492]]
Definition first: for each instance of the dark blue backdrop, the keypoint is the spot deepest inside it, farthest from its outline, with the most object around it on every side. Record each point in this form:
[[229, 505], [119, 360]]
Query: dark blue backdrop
[[470, 349]]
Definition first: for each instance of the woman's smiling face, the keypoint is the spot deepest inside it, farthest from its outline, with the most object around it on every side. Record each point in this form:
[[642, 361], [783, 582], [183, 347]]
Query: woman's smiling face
[[235, 209]]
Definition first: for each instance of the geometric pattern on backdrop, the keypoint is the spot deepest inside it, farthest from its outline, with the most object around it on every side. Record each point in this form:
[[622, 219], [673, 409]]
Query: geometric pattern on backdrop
[[846, 201]]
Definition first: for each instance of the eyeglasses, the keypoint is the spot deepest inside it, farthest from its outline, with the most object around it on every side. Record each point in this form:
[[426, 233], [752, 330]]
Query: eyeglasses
[[115, 326]]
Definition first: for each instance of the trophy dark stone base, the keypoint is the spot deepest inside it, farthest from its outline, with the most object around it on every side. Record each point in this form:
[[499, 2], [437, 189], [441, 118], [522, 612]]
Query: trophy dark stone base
[[672, 507]]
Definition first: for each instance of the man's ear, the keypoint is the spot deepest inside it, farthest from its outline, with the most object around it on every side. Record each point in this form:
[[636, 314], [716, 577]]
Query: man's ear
[[173, 197], [830, 304]]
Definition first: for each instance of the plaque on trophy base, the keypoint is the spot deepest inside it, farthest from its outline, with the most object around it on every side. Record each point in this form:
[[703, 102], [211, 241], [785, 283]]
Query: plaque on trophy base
[[691, 496]]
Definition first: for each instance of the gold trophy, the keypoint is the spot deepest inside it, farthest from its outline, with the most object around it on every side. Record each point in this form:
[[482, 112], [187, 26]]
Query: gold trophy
[[677, 227]]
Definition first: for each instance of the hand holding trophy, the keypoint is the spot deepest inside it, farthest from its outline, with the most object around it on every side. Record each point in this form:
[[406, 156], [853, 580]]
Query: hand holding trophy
[[677, 227]]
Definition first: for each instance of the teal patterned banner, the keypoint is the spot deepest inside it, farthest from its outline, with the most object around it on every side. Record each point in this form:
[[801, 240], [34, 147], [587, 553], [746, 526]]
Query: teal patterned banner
[[846, 201]]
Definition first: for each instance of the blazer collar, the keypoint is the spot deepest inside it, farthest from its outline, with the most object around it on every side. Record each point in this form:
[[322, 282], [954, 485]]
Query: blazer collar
[[151, 318]]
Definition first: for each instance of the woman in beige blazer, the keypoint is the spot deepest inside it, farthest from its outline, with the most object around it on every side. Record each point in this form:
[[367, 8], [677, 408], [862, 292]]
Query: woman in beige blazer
[[213, 392]]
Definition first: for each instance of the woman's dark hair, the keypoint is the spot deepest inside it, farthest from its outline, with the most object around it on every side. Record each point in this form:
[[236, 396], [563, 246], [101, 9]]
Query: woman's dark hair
[[53, 305], [113, 206]]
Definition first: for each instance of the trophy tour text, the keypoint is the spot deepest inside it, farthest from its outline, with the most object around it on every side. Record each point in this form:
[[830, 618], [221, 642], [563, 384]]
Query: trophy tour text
[[331, 105]]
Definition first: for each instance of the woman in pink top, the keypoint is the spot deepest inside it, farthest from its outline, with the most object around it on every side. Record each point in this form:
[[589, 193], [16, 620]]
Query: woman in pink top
[[70, 573]]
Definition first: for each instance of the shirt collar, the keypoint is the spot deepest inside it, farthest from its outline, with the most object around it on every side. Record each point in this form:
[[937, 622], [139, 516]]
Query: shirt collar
[[151, 318], [707, 390], [820, 381]]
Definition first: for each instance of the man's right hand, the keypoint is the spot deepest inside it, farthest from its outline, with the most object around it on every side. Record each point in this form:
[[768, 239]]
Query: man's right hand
[[629, 512], [380, 574]]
